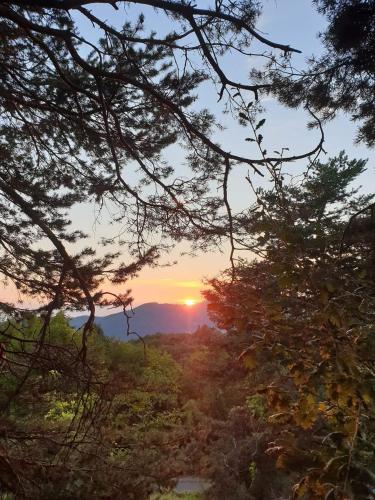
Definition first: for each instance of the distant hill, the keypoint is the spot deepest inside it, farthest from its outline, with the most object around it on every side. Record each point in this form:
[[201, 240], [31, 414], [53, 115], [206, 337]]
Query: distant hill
[[151, 318]]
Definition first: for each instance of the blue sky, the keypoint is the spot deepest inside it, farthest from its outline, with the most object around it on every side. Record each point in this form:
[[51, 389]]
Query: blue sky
[[295, 22]]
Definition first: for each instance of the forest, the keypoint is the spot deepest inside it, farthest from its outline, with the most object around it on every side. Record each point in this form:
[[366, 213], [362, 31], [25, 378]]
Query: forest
[[120, 109], [283, 391]]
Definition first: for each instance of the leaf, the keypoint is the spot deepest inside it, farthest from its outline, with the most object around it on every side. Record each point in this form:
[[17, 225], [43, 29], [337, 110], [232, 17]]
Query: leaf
[[260, 123], [306, 412], [367, 392], [279, 418], [243, 116], [248, 358], [330, 495], [335, 319], [281, 462], [333, 462], [249, 361], [322, 407], [300, 489], [260, 138], [252, 469], [250, 139]]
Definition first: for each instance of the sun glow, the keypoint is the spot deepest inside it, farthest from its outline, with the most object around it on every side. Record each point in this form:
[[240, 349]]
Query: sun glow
[[189, 302]]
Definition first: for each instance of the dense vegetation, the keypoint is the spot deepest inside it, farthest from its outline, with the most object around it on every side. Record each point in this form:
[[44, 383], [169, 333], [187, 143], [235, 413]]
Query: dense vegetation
[[280, 402], [184, 407], [308, 308], [179, 408]]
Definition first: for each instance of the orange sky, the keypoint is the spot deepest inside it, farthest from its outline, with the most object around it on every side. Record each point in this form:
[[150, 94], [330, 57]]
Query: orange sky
[[172, 284], [177, 283]]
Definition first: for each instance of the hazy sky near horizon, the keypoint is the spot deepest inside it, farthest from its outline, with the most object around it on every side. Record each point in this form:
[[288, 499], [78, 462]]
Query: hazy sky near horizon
[[294, 22]]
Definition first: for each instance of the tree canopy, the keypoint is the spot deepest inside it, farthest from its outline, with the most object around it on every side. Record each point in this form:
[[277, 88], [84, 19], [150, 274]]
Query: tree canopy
[[90, 118], [343, 77], [306, 310]]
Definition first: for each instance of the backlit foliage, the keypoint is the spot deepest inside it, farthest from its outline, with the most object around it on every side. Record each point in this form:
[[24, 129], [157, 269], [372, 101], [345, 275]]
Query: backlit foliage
[[307, 309]]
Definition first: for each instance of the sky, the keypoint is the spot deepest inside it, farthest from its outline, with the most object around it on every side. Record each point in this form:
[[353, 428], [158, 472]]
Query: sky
[[294, 22], [297, 23]]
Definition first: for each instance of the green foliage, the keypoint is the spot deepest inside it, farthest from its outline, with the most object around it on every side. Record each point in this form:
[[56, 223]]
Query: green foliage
[[252, 471], [62, 411], [306, 309], [172, 411], [120, 422], [255, 404]]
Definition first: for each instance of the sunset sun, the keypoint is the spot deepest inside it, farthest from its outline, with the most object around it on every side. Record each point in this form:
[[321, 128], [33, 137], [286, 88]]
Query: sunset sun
[[189, 302]]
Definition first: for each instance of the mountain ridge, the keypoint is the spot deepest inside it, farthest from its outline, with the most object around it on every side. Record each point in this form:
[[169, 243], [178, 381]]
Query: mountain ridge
[[150, 318]]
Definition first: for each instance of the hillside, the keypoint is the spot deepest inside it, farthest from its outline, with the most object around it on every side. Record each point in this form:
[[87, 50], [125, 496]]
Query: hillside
[[151, 318]]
